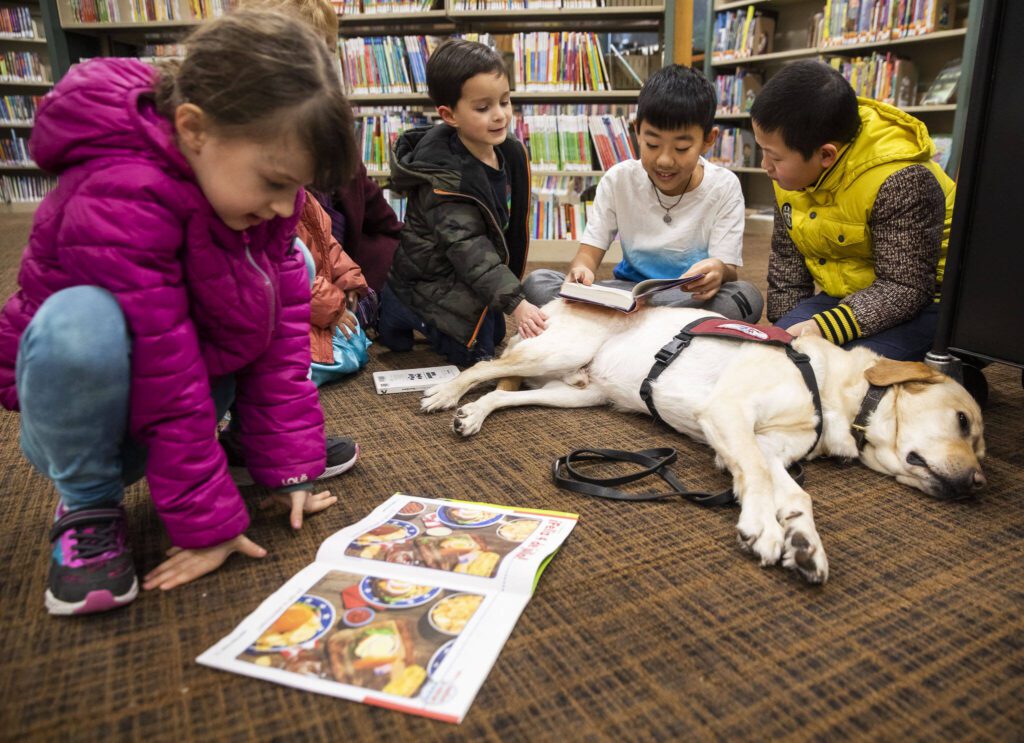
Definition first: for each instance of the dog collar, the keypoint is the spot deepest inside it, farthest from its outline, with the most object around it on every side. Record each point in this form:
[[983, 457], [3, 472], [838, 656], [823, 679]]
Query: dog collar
[[859, 427]]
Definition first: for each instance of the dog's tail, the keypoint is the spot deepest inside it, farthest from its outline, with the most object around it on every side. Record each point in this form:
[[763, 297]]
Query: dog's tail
[[510, 384]]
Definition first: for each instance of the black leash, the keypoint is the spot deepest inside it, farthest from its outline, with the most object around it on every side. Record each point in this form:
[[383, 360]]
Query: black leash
[[566, 474]]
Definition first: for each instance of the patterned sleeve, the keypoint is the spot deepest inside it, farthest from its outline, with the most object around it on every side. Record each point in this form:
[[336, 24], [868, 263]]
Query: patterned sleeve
[[906, 227], [789, 281]]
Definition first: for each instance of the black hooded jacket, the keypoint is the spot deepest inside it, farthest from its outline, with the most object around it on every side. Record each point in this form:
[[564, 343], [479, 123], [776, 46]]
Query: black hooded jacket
[[454, 262]]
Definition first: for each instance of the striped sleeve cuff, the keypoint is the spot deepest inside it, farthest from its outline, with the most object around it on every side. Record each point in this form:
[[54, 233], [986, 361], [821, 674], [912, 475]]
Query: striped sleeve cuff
[[838, 324]]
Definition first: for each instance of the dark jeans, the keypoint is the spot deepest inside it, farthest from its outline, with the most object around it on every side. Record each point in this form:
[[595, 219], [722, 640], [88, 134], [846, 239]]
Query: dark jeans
[[397, 322], [907, 342]]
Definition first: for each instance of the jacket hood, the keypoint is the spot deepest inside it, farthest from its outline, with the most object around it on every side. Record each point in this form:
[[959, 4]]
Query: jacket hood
[[102, 107], [886, 134], [424, 155]]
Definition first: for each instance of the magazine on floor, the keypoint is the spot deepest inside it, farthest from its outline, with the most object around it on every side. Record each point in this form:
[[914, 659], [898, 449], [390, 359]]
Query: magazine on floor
[[406, 609]]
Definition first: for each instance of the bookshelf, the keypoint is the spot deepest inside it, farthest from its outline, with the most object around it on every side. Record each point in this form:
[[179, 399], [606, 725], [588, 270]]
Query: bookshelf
[[794, 35], [26, 74]]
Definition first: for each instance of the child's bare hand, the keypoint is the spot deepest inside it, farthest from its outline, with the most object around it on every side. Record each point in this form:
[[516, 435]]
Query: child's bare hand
[[580, 275], [530, 320], [347, 324], [186, 565], [807, 327], [707, 286], [302, 501]]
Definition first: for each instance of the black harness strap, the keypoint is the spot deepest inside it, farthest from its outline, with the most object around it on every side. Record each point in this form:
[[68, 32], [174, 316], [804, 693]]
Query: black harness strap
[[716, 327]]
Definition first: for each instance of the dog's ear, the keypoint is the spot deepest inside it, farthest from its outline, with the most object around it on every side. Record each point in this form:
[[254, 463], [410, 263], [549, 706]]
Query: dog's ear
[[886, 372]]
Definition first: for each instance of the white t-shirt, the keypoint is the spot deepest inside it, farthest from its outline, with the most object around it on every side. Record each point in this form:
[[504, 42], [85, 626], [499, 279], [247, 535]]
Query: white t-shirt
[[707, 222]]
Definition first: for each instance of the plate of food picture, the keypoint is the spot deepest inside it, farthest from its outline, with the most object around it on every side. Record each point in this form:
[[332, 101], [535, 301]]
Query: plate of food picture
[[386, 593], [449, 615], [308, 619], [438, 657], [466, 517], [411, 510], [517, 530], [392, 530]]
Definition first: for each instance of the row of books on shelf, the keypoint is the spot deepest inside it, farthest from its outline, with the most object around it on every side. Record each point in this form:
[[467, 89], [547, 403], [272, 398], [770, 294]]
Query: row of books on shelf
[[736, 93], [747, 32], [558, 211], [377, 133], [743, 33], [110, 11], [23, 66], [545, 4], [14, 150], [558, 137], [735, 148], [559, 61], [17, 22], [575, 141], [861, 21], [18, 109], [629, 68], [385, 64], [375, 7], [541, 62], [19, 189], [883, 77]]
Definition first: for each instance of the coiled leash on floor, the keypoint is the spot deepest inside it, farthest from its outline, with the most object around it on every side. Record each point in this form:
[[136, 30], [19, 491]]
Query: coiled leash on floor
[[565, 471]]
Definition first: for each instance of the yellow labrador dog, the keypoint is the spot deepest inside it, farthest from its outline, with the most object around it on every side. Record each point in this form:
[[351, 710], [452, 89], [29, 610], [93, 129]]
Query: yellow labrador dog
[[749, 402]]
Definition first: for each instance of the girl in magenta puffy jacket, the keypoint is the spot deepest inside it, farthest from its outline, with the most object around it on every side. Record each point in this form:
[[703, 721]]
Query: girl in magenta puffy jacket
[[160, 284]]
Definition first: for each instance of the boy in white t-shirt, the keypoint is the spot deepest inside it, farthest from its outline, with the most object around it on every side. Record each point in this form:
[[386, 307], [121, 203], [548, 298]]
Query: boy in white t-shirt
[[675, 213]]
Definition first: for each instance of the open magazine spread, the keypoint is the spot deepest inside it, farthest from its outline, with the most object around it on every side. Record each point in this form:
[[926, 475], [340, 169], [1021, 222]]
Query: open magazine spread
[[406, 609], [624, 300]]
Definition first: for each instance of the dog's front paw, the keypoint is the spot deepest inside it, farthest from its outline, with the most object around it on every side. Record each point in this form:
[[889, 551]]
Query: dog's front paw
[[761, 537], [804, 552], [444, 396], [468, 419]]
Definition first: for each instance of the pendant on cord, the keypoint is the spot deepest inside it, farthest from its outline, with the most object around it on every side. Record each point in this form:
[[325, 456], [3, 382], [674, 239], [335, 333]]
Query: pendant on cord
[[667, 219]]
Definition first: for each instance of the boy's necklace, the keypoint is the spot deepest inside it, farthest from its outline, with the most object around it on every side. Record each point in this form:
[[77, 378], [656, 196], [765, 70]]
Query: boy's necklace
[[667, 219]]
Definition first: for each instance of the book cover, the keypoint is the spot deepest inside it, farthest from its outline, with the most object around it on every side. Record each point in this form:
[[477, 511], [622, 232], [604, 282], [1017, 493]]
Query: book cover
[[623, 300], [407, 609], [943, 87]]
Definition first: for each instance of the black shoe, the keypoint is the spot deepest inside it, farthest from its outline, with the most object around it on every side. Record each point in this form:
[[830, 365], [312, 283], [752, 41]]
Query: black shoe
[[342, 454]]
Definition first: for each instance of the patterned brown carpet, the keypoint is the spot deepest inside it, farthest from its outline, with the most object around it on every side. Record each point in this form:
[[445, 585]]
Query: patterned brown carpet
[[649, 625]]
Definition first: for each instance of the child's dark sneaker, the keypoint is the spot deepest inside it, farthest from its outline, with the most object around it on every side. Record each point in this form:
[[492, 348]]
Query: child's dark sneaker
[[91, 566], [342, 453]]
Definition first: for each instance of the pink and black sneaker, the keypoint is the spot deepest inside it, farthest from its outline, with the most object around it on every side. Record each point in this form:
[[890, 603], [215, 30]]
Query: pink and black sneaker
[[91, 566]]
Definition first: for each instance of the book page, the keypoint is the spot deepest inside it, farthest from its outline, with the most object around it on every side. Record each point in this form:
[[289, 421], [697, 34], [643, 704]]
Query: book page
[[408, 637]]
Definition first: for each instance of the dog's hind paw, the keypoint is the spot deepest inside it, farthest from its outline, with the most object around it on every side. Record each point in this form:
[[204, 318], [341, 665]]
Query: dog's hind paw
[[805, 553], [468, 419]]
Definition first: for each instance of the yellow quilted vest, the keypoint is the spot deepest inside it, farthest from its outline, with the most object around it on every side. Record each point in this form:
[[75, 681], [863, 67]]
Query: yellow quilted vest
[[828, 222]]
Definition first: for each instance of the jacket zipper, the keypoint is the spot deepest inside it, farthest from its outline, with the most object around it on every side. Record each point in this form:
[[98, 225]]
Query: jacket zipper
[[494, 219], [267, 285]]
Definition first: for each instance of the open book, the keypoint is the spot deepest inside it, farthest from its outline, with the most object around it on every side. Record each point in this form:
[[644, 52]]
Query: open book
[[412, 380], [621, 299], [406, 609]]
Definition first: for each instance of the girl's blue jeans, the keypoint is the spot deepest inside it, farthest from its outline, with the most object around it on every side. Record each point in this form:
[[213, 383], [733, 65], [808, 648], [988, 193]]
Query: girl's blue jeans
[[74, 379]]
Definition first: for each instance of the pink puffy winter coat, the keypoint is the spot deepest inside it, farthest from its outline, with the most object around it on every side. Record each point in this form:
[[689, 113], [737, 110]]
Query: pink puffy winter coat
[[200, 299]]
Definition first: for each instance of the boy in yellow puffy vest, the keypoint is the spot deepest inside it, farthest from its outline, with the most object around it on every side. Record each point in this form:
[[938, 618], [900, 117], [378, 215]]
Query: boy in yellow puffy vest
[[861, 211]]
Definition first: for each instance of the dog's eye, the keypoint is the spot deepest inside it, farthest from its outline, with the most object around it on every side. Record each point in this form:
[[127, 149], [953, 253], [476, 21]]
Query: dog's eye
[[965, 425], [915, 459]]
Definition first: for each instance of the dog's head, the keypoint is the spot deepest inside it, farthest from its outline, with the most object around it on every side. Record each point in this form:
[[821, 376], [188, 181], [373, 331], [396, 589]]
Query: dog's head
[[931, 436]]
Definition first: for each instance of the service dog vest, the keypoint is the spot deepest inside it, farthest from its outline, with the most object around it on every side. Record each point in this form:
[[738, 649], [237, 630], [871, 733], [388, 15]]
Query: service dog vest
[[721, 327]]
